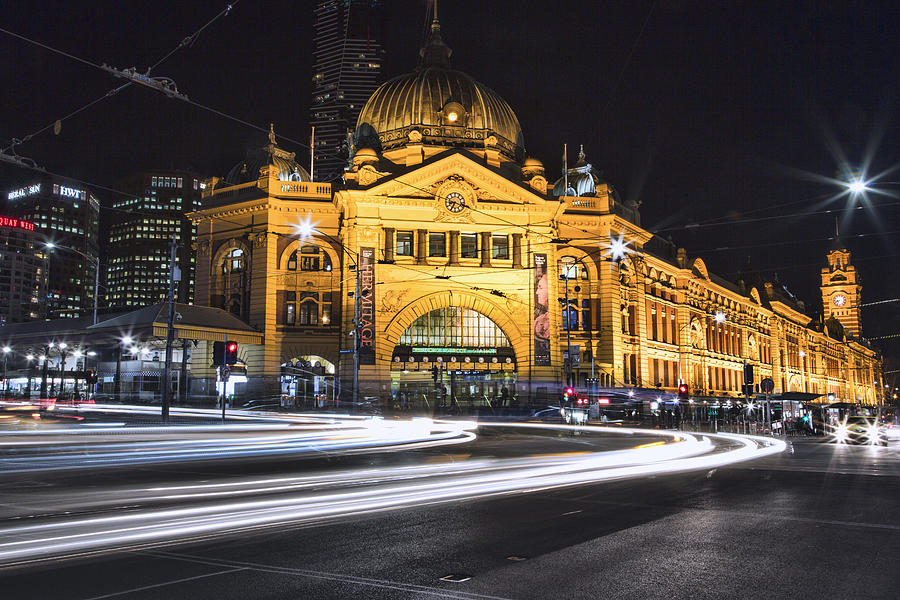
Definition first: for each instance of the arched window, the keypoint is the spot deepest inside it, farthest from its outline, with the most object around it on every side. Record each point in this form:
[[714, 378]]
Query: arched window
[[233, 262], [454, 327], [311, 258], [568, 268]]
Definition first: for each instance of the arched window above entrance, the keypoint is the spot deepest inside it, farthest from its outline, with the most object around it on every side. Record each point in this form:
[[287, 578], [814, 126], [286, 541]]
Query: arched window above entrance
[[454, 327], [233, 261]]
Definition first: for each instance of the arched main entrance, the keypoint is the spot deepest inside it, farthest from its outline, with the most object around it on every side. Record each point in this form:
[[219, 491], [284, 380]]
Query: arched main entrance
[[307, 382], [453, 357]]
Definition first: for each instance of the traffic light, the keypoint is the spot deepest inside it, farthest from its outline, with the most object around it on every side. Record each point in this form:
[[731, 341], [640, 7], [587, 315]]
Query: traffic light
[[218, 354], [748, 374], [225, 353], [434, 374], [683, 391], [568, 393], [231, 356]]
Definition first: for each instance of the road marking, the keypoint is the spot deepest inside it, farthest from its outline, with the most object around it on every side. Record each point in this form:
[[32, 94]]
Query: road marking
[[365, 581], [571, 512], [456, 578], [165, 583]]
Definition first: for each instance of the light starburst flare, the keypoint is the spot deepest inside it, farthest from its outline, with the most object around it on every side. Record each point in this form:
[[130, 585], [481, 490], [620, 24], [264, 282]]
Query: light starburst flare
[[305, 227], [617, 248]]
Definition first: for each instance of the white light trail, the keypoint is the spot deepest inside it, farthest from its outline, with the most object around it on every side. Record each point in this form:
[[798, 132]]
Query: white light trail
[[293, 500]]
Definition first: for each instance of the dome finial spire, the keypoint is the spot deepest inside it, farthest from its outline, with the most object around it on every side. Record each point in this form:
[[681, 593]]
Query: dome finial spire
[[271, 133], [435, 53]]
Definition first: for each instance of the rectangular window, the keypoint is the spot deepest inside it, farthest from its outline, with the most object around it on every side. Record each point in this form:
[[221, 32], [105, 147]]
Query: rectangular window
[[309, 263], [437, 244], [290, 314], [500, 247], [309, 313], [586, 315], [153, 181], [180, 182], [404, 243], [468, 245]]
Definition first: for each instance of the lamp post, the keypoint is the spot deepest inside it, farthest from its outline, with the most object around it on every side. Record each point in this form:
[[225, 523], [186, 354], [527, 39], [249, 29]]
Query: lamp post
[[305, 230], [77, 354], [96, 261], [117, 385], [29, 358], [568, 268], [6, 351], [62, 368], [45, 365]]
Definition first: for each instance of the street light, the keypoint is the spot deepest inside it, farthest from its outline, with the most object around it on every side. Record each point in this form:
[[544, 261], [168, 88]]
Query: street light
[[857, 186], [96, 260], [306, 230], [6, 351]]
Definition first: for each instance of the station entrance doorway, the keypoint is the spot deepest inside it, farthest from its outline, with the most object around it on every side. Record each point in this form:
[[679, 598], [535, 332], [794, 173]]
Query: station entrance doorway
[[453, 358], [307, 382]]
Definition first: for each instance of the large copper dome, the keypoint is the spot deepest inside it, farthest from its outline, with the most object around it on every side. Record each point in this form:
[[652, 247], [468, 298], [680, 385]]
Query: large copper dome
[[443, 106]]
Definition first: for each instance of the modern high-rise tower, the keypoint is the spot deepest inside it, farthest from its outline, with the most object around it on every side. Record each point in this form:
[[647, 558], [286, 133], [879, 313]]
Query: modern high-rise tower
[[348, 59]]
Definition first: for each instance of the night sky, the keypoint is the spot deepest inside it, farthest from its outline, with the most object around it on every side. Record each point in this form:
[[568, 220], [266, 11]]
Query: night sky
[[734, 113]]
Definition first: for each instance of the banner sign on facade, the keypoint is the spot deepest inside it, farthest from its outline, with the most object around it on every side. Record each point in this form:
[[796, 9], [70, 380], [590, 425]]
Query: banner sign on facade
[[541, 312], [366, 306]]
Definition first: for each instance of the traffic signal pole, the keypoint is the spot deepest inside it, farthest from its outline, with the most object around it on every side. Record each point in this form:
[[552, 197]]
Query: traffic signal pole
[[170, 334], [224, 371]]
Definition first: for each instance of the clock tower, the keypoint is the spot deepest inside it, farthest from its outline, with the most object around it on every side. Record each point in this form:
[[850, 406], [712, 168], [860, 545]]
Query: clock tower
[[841, 290]]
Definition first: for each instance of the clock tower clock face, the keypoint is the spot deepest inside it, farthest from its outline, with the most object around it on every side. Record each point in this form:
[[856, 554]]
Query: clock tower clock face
[[455, 202], [839, 300]]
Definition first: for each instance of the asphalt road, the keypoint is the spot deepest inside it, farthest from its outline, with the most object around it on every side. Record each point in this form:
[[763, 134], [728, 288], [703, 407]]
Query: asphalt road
[[821, 521]]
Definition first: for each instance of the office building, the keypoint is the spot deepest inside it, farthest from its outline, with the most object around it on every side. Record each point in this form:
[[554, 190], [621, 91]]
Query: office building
[[68, 215], [347, 69], [143, 223]]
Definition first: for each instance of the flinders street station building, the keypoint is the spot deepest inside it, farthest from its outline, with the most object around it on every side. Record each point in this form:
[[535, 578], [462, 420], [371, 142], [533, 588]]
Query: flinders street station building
[[447, 267]]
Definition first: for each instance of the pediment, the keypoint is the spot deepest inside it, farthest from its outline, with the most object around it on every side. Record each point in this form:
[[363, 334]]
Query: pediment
[[425, 181]]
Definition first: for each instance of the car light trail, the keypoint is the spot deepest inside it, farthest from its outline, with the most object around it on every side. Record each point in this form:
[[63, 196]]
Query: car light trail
[[267, 502], [195, 443]]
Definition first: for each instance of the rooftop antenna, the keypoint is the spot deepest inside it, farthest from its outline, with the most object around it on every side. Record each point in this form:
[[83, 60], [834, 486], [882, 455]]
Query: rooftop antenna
[[565, 169]]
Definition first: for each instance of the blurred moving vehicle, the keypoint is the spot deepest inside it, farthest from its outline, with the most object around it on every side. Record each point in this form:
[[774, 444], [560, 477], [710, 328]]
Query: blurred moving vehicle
[[273, 404], [859, 429]]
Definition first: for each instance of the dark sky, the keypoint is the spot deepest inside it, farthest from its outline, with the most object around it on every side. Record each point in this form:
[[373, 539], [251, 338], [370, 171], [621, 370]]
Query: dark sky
[[710, 112]]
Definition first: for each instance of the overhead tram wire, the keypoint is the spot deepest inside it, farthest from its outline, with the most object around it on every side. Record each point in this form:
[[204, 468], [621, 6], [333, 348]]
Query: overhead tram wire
[[189, 40], [178, 96], [526, 228], [18, 142]]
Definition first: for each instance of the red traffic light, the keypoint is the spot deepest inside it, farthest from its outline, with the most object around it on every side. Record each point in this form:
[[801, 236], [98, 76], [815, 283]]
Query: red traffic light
[[683, 390], [569, 391], [232, 346]]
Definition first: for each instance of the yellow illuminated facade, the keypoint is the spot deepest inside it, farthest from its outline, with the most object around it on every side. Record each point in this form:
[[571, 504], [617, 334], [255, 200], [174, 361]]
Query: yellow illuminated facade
[[468, 267]]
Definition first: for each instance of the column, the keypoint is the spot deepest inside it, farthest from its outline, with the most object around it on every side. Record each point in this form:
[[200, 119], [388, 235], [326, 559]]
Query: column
[[454, 248], [486, 249], [517, 250], [422, 246], [389, 244]]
